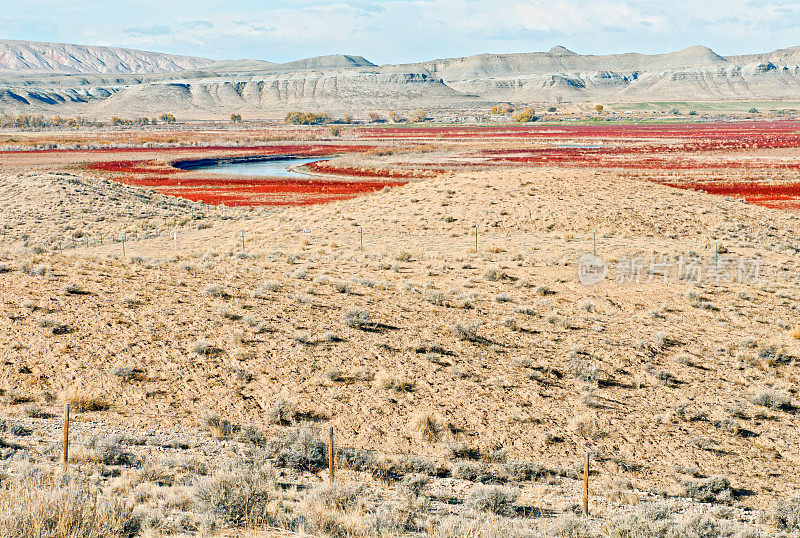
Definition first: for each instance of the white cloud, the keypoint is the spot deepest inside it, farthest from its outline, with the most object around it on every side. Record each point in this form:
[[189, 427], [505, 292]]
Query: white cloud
[[408, 30]]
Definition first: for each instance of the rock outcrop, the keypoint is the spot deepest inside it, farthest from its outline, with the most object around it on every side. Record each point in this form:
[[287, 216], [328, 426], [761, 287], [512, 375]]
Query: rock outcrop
[[41, 77]]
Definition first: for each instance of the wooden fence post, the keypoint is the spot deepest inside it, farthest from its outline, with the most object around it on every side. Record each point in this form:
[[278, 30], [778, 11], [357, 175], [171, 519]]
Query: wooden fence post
[[586, 486], [330, 454], [66, 436]]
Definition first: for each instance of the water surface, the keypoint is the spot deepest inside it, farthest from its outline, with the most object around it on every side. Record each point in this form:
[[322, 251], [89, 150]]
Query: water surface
[[269, 168]]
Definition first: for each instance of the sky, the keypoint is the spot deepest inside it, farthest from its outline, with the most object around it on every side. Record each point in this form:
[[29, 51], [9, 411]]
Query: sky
[[398, 31]]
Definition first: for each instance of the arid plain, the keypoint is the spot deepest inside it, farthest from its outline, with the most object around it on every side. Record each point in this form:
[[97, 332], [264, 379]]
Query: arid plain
[[419, 293]]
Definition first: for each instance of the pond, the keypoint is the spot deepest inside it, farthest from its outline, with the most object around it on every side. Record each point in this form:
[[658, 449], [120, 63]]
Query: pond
[[283, 167]]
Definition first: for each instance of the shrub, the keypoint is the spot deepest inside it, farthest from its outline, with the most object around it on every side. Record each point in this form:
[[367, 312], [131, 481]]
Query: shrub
[[528, 310], [168, 118], [304, 338], [528, 115], [282, 412], [646, 520], [493, 499], [468, 333], [298, 449], [334, 510], [265, 287], [300, 274], [213, 290], [773, 355], [524, 471], [108, 451], [584, 371], [74, 289], [82, 403], [357, 319], [244, 494], [753, 111], [427, 426], [716, 489], [388, 381], [306, 118], [502, 108], [40, 505], [236, 118], [435, 297], [773, 399], [419, 116], [338, 496], [661, 340], [355, 459], [252, 436], [202, 347], [341, 287], [599, 109], [220, 428], [55, 326], [461, 450], [787, 514], [226, 313]]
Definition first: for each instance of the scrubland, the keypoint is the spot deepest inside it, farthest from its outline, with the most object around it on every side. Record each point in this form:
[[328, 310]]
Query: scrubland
[[205, 365]]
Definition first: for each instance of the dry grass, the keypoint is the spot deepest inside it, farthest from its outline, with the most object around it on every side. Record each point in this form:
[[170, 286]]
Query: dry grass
[[48, 506], [85, 403]]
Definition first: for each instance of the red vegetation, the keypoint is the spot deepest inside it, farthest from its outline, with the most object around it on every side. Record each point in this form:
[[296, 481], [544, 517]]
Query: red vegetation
[[737, 134], [273, 192], [194, 185]]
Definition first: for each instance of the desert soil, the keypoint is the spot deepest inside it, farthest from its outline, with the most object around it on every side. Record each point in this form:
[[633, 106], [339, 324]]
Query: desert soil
[[503, 348]]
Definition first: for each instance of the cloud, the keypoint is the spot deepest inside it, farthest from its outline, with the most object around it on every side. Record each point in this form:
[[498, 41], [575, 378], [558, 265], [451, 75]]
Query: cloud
[[196, 25], [397, 31], [147, 30]]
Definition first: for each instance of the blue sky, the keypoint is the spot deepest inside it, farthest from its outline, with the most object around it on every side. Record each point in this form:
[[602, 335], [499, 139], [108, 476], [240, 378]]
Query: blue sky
[[396, 31]]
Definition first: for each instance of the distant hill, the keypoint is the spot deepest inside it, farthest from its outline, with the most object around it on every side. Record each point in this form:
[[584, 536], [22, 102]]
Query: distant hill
[[40, 78], [561, 60], [21, 57]]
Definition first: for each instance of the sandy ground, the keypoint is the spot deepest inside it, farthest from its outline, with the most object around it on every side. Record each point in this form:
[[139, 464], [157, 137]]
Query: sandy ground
[[656, 379]]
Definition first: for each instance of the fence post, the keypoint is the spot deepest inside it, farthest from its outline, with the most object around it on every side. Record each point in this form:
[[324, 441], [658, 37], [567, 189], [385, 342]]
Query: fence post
[[123, 246], [586, 486], [330, 454], [361, 228], [66, 435]]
